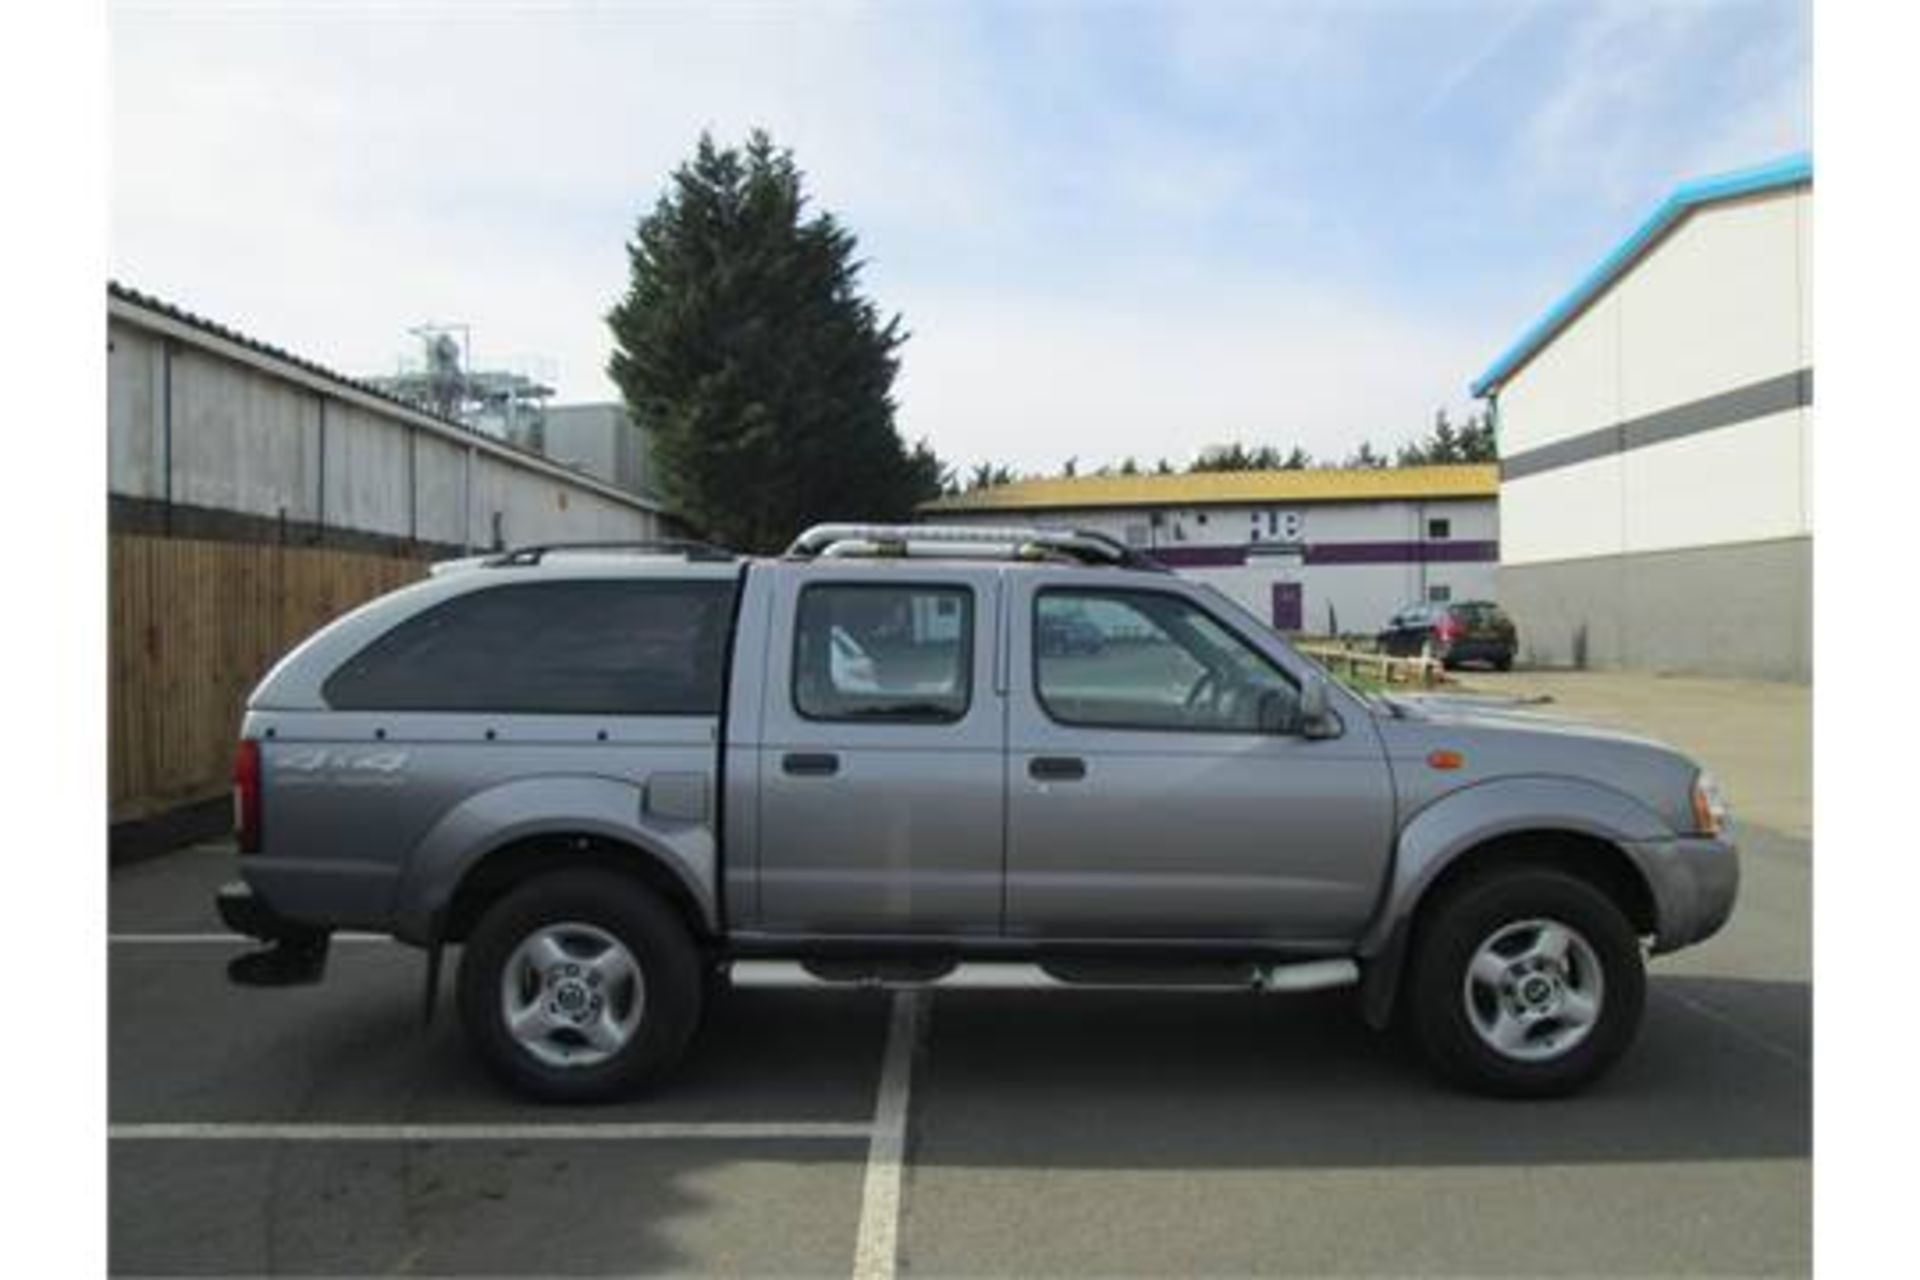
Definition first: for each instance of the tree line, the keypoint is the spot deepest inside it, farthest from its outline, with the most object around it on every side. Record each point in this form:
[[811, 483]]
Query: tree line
[[1471, 441]]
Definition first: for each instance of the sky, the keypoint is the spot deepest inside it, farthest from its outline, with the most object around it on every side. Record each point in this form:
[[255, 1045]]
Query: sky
[[1112, 229]]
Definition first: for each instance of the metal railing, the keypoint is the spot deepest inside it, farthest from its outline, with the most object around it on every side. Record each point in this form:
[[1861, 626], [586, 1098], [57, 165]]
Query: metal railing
[[963, 542]]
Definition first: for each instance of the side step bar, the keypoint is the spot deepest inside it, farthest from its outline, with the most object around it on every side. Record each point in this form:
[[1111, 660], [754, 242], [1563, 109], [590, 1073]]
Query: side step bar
[[995, 975]]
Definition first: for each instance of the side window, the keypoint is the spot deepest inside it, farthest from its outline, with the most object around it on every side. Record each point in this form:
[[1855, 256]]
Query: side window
[[1149, 660], [883, 651], [608, 647]]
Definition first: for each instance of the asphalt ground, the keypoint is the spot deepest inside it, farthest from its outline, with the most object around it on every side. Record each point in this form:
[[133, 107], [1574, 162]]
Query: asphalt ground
[[323, 1130]]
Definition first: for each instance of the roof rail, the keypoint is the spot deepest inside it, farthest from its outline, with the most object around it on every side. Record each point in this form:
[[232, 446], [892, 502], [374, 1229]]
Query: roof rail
[[967, 542], [518, 557]]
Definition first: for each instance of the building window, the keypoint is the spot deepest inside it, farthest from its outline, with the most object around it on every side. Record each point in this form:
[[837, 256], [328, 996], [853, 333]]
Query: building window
[[1439, 593], [1439, 530]]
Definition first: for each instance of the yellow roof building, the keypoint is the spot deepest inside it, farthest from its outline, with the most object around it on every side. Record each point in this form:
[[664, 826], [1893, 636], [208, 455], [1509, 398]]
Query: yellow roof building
[[1218, 488]]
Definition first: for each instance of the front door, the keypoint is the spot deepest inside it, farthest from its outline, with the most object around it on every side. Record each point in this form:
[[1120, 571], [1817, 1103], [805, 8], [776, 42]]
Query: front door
[[1286, 606], [881, 766], [1156, 787]]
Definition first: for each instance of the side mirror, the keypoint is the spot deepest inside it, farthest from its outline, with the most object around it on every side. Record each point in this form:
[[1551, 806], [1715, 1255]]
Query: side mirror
[[1305, 714], [1315, 720]]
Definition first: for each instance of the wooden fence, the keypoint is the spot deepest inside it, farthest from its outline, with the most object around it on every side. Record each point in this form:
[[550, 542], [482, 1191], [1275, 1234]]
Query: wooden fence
[[193, 625], [1379, 667]]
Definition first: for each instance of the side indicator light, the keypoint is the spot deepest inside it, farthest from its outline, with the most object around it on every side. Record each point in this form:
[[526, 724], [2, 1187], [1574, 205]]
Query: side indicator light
[[1445, 758]]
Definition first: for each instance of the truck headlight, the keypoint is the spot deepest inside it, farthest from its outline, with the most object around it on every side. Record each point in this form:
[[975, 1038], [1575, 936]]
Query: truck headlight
[[1709, 805]]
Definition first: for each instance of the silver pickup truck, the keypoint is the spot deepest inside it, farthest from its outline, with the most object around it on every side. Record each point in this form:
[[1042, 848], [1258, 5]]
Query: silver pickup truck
[[621, 779]]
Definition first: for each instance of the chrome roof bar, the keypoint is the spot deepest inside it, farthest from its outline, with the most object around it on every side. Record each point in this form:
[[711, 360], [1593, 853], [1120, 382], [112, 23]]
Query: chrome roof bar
[[966, 542]]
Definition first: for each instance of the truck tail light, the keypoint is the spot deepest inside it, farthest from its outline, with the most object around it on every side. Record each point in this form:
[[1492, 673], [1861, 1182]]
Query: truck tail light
[[246, 795]]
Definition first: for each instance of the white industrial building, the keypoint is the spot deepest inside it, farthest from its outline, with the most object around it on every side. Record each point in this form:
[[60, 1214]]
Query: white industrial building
[[1317, 550], [602, 440], [213, 434], [1655, 432]]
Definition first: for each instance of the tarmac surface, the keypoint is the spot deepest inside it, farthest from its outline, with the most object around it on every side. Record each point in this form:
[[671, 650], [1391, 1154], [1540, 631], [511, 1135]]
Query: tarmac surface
[[324, 1130]]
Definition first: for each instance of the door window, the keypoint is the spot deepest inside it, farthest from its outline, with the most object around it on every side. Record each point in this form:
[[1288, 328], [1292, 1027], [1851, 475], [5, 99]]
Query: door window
[[885, 652], [1150, 660]]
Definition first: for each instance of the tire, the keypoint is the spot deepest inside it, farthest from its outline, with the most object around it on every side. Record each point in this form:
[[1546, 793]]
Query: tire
[[580, 949], [1503, 663], [1557, 1037]]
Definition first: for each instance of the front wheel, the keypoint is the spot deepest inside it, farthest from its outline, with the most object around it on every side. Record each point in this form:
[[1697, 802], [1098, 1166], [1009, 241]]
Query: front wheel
[[580, 986], [1525, 984]]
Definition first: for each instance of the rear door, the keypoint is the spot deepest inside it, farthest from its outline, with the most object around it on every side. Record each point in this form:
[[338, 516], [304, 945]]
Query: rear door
[[880, 764], [1144, 797]]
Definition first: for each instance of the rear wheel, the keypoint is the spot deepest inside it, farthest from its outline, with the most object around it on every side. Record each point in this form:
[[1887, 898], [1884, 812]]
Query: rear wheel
[[1525, 984], [580, 986]]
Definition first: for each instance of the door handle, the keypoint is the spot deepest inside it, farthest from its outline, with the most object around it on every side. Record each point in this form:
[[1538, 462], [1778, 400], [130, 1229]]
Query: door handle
[[1056, 768], [810, 764]]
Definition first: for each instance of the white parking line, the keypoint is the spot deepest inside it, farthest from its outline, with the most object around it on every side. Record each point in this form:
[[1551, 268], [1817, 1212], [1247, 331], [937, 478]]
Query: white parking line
[[215, 939], [877, 1253], [726, 1131]]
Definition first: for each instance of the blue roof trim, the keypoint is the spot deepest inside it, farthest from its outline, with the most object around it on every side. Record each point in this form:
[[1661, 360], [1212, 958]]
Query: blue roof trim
[[1790, 171]]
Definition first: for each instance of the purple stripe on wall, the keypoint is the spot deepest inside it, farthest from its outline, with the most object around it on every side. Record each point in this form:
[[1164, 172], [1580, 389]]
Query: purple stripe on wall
[[1199, 557], [1336, 553], [1401, 552]]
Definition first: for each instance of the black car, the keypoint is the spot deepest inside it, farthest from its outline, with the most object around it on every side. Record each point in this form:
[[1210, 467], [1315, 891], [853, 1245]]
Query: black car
[[1469, 631]]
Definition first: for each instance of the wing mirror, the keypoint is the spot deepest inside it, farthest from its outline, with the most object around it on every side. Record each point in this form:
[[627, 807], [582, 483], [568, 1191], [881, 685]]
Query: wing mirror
[[1306, 714], [1316, 721]]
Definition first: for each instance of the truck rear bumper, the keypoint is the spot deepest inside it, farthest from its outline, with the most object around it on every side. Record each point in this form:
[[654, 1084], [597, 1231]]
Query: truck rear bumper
[[296, 953], [246, 913]]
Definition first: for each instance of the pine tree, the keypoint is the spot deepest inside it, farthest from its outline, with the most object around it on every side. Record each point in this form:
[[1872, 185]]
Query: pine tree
[[1365, 456], [743, 341]]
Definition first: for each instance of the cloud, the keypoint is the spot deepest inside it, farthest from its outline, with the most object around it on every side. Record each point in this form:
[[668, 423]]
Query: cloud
[[1666, 92], [1138, 230]]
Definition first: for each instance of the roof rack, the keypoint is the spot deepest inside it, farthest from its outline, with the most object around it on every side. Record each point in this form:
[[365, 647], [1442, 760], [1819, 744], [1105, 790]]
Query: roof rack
[[967, 542], [518, 557]]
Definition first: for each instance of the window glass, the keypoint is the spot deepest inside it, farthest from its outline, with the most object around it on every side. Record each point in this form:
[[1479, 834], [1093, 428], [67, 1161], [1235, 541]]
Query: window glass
[[1439, 593], [565, 647], [1439, 529], [1479, 614], [1147, 660], [874, 651]]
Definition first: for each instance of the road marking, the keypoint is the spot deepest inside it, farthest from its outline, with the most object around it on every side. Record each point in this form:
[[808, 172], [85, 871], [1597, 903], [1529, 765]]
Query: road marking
[[1734, 1025], [726, 1131], [215, 939], [877, 1253]]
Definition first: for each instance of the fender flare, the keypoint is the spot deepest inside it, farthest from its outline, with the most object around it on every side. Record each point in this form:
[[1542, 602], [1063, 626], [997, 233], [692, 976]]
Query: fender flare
[[1451, 828], [573, 805]]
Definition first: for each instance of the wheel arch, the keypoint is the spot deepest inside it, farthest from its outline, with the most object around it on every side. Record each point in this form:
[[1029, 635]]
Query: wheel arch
[[1578, 828], [501, 870], [493, 841]]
